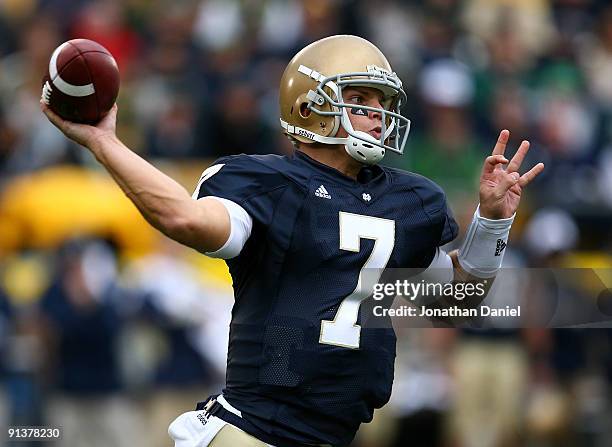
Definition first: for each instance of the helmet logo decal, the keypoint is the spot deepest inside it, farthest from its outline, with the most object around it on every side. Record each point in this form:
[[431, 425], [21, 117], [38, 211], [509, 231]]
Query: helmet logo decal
[[378, 70]]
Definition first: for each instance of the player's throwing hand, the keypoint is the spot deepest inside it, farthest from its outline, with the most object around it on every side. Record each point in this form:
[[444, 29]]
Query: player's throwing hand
[[500, 189], [83, 134]]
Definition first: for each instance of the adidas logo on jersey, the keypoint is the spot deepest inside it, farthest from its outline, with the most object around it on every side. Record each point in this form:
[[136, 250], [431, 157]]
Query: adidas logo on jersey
[[322, 192]]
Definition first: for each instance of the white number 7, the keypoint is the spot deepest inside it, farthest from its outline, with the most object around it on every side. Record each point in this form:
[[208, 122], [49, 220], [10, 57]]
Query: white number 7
[[343, 330]]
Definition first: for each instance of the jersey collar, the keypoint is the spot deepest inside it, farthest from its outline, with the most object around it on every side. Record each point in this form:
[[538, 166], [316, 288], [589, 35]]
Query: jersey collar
[[366, 177]]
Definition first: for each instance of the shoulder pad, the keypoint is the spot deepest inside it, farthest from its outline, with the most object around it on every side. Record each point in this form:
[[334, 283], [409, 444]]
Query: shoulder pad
[[241, 176], [430, 193]]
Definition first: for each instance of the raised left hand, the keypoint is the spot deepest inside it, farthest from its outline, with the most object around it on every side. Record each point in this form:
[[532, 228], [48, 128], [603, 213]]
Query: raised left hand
[[501, 189]]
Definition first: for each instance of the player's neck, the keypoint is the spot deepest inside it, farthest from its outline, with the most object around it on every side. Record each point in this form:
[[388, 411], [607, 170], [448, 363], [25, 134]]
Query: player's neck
[[334, 157]]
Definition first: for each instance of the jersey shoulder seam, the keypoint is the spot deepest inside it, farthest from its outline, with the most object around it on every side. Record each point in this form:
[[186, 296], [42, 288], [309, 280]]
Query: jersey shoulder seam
[[398, 174], [289, 178]]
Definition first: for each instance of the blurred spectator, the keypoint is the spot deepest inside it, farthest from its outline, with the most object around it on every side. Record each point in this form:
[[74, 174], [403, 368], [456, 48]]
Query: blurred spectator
[[190, 322], [509, 108], [323, 18], [23, 278], [570, 396], [238, 125], [422, 393], [565, 136], [32, 140], [522, 27], [173, 134], [281, 26], [84, 329], [7, 140], [219, 24], [395, 26], [444, 148], [605, 179], [416, 413], [439, 30], [490, 369], [170, 93], [266, 75], [5, 321], [566, 122], [549, 232], [104, 22], [595, 52]]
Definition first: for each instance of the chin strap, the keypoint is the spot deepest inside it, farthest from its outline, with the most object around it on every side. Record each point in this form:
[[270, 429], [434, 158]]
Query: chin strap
[[295, 130], [360, 145]]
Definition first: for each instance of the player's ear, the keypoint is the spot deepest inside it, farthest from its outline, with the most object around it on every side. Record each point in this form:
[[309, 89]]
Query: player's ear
[[304, 110]]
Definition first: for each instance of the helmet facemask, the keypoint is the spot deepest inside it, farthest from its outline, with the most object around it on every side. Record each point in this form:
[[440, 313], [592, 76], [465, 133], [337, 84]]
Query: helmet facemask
[[360, 145]]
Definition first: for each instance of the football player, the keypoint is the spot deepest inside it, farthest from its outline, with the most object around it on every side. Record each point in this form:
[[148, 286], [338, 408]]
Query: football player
[[297, 233]]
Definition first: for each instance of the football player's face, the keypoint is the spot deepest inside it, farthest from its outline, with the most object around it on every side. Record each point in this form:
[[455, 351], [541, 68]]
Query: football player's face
[[364, 120]]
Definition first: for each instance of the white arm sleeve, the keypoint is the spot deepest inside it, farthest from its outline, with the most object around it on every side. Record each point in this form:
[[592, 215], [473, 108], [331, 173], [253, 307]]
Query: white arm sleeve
[[482, 252], [241, 225]]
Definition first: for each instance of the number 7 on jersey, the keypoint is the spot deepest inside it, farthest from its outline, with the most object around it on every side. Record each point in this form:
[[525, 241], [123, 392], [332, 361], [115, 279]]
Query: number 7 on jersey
[[343, 330]]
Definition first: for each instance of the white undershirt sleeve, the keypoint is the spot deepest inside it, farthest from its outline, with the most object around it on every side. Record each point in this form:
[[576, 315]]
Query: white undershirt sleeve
[[440, 269], [241, 225]]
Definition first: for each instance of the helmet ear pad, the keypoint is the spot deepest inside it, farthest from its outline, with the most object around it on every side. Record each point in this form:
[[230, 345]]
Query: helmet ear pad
[[302, 116]]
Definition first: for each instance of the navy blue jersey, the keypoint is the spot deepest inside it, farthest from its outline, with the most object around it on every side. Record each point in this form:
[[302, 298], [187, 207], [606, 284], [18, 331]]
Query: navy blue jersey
[[299, 366]]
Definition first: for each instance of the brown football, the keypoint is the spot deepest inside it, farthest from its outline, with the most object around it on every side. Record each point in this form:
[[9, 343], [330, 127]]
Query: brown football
[[82, 81]]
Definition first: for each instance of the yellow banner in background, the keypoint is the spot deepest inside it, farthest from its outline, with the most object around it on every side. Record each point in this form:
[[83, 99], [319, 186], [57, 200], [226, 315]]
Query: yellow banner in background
[[42, 209]]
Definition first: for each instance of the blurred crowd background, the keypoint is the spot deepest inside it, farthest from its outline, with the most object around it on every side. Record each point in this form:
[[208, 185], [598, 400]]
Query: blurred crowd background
[[110, 331]]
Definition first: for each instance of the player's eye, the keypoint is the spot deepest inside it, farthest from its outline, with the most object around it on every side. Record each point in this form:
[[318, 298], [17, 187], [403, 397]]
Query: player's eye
[[356, 99]]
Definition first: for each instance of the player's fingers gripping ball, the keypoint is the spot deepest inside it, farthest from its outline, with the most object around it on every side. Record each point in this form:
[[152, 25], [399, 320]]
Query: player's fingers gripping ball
[[82, 81]]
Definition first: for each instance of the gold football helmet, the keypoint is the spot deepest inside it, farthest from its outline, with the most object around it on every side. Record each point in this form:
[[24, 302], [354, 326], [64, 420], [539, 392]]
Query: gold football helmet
[[312, 108]]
